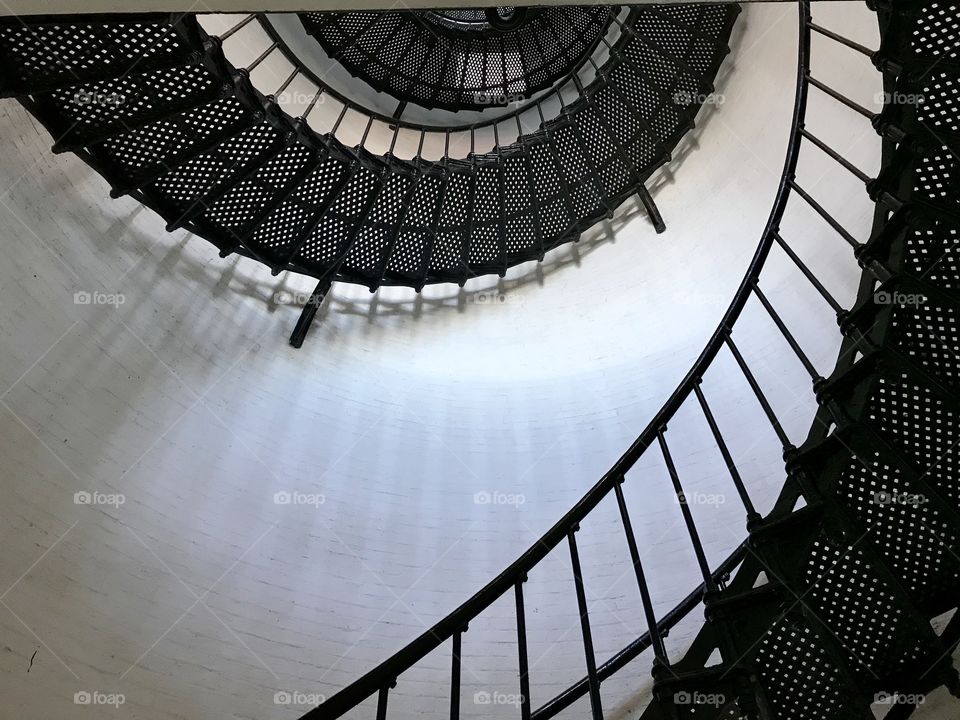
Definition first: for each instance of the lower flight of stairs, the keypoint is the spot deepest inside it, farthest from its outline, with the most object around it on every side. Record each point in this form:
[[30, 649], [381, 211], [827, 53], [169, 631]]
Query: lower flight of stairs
[[831, 610]]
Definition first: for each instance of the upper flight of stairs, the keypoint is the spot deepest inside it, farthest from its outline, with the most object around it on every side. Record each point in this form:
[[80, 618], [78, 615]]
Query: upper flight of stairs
[[190, 137]]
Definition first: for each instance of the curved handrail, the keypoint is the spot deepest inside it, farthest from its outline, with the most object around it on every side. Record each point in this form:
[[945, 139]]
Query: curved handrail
[[386, 673]]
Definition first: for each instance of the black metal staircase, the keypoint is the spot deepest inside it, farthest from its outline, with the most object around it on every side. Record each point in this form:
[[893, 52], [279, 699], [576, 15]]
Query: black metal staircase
[[191, 137], [827, 604]]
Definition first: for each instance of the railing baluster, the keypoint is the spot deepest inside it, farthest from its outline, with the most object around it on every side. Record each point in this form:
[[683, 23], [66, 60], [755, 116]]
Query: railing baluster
[[263, 56], [382, 703], [286, 83], [366, 132], [862, 176], [841, 98], [761, 398], [596, 708], [842, 40], [522, 651], [708, 582], [807, 273], [336, 125], [851, 240], [313, 102], [655, 639], [242, 24], [752, 514], [455, 675], [788, 336]]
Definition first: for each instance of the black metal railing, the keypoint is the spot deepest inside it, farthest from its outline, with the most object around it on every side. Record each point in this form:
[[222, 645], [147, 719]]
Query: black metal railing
[[848, 408], [384, 676]]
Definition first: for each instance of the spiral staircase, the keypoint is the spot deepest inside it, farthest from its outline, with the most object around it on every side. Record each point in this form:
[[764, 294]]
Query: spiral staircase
[[828, 604]]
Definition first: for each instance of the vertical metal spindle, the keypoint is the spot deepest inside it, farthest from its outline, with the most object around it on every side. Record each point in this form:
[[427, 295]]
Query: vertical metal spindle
[[761, 398], [382, 703], [843, 99], [393, 141], [830, 220], [336, 125], [788, 336], [808, 274], [423, 136], [286, 83], [592, 677], [366, 131], [263, 56], [842, 40], [708, 582], [242, 24], [455, 676], [313, 102], [752, 514], [656, 640], [522, 651]]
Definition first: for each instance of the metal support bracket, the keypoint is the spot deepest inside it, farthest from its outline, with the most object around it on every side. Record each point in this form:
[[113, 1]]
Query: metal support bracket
[[651, 207], [309, 312]]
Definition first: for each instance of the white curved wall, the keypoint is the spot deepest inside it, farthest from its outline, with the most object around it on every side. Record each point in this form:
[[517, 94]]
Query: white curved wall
[[200, 596]]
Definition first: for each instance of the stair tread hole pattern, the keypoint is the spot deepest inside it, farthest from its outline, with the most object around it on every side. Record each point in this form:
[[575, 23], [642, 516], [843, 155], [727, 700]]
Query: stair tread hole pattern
[[415, 232], [910, 533], [487, 217], [284, 226], [159, 141], [938, 179], [453, 216], [923, 428], [44, 54], [379, 229], [940, 108], [929, 332], [199, 176], [934, 255], [117, 104], [236, 209], [937, 30], [849, 597], [325, 245], [799, 678]]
